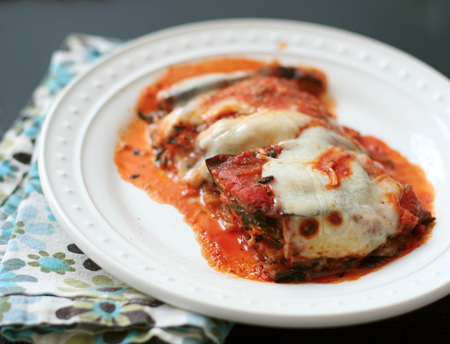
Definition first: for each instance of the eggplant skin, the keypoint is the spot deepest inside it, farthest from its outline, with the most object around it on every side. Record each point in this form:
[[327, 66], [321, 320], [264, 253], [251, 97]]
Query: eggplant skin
[[244, 195], [239, 180]]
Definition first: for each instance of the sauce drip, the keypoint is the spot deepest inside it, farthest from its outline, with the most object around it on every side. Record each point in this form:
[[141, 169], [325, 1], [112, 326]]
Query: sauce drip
[[134, 160]]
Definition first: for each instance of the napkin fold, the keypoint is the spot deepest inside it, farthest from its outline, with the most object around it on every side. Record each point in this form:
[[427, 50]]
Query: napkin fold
[[50, 291]]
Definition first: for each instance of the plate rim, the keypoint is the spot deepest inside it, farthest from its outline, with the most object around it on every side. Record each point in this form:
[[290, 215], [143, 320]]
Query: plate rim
[[438, 293]]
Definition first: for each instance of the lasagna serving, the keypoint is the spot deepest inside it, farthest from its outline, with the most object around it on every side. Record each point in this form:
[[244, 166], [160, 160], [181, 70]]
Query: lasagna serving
[[274, 187]]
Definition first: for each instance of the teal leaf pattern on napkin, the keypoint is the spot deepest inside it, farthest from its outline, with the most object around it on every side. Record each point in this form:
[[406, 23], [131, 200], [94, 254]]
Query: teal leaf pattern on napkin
[[56, 263], [7, 169], [50, 291], [26, 231], [9, 279]]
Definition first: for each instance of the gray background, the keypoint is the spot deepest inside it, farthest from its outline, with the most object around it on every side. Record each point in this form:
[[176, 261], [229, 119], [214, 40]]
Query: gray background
[[31, 30]]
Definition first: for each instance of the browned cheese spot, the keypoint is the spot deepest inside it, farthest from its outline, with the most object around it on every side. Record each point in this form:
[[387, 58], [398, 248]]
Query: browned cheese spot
[[335, 218], [309, 227]]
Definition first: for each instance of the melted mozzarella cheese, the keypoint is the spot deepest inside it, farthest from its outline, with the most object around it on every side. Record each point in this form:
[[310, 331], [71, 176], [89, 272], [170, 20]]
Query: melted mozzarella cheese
[[227, 106], [239, 134], [260, 129], [195, 114], [180, 115], [369, 217]]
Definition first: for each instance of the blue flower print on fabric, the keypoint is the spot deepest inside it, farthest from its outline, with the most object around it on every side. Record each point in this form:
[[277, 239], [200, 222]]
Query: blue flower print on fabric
[[34, 128], [7, 169], [10, 206], [9, 279], [34, 183], [50, 216], [55, 263], [13, 334], [105, 285], [108, 312], [92, 54], [59, 75], [24, 230], [13, 310], [6, 229]]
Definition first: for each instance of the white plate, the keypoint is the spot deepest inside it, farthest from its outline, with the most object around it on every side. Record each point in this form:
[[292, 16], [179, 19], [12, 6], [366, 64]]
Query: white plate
[[379, 90]]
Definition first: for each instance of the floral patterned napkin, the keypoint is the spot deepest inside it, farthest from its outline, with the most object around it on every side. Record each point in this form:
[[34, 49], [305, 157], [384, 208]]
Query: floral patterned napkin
[[50, 292]]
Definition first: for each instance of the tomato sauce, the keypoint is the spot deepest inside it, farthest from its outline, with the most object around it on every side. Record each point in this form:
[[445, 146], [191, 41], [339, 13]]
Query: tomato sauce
[[134, 159], [221, 245], [399, 168], [147, 101], [336, 164]]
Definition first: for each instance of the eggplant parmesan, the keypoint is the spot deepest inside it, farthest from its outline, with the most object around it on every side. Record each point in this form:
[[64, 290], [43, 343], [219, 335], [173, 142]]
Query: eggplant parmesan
[[256, 147]]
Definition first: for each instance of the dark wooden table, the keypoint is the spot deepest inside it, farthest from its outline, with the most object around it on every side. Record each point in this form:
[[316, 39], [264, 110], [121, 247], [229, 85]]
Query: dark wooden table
[[31, 30]]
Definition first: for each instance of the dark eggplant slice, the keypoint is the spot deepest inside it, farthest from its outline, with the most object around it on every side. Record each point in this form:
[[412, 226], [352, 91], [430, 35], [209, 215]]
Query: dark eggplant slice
[[186, 90]]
